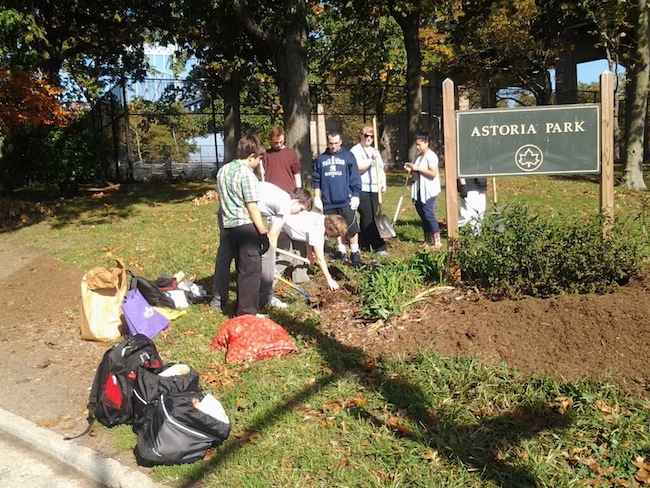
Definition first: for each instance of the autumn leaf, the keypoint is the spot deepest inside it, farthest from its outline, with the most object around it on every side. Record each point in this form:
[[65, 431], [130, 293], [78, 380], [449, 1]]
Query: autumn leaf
[[643, 473], [395, 423], [561, 405], [432, 456], [247, 436]]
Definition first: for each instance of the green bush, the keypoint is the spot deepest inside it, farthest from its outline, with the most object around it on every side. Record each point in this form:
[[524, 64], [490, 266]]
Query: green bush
[[52, 155], [521, 252]]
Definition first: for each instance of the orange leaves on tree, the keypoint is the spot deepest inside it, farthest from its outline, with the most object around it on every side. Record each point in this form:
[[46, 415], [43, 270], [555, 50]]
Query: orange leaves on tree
[[26, 98]]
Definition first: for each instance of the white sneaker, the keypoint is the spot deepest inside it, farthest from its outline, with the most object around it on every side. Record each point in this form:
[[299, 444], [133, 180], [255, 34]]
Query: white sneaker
[[277, 303]]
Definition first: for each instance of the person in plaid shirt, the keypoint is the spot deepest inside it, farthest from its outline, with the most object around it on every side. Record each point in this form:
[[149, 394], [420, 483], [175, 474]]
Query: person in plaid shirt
[[241, 221]]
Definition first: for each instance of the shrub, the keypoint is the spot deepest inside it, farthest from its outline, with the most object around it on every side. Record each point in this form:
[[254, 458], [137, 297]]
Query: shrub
[[52, 155], [521, 252]]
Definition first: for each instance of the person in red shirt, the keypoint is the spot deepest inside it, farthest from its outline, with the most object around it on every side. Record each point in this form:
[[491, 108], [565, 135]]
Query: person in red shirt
[[280, 164]]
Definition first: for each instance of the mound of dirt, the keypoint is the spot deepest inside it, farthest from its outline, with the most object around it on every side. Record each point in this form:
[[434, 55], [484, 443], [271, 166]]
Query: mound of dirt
[[570, 337]]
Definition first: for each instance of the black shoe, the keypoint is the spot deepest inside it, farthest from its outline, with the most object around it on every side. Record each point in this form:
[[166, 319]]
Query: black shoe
[[341, 256], [355, 257]]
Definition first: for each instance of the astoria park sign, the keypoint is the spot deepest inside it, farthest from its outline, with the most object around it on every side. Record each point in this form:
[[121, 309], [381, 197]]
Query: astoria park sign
[[561, 139]]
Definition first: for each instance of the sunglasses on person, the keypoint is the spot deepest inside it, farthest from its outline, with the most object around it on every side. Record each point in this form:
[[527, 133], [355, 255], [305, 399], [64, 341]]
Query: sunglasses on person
[[369, 135]]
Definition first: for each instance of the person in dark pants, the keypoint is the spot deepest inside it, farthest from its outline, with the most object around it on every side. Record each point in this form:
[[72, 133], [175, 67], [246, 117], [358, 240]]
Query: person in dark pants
[[337, 184], [373, 181], [244, 232]]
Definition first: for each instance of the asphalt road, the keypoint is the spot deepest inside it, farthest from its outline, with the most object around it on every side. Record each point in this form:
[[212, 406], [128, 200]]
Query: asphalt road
[[23, 466], [34, 457]]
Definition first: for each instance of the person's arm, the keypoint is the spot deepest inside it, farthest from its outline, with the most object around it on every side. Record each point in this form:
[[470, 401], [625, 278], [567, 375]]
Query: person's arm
[[426, 171], [322, 264], [382, 173], [362, 163], [274, 231], [298, 179], [355, 177], [256, 217]]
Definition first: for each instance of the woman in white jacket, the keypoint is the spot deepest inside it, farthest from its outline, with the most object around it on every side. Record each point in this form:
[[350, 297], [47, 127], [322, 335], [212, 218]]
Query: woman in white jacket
[[425, 189]]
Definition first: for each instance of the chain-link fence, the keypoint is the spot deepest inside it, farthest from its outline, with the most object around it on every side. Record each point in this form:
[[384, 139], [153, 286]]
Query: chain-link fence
[[173, 129]]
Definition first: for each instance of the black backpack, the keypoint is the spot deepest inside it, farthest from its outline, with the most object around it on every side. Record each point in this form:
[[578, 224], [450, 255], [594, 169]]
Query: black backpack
[[149, 385], [150, 291], [178, 432], [110, 400]]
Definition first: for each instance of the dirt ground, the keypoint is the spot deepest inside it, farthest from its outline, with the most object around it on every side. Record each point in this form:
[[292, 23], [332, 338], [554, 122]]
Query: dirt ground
[[47, 369]]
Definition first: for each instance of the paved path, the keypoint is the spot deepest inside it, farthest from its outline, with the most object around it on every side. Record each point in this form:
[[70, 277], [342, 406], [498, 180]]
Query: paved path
[[23, 466], [28, 450]]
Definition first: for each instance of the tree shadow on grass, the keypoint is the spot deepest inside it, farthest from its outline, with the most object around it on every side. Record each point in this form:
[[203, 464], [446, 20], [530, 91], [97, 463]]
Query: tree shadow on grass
[[476, 445], [97, 206]]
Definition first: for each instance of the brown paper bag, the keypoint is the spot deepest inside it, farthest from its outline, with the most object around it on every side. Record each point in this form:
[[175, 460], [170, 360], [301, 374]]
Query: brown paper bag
[[102, 292]]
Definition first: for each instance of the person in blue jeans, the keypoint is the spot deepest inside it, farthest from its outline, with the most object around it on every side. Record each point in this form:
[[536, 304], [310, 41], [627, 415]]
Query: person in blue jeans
[[425, 189]]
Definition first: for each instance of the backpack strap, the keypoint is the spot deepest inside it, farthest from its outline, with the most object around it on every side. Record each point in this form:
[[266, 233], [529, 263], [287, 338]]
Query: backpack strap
[[91, 422]]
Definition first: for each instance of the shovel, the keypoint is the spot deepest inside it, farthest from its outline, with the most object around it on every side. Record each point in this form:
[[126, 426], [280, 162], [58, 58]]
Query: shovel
[[386, 230], [286, 282], [401, 198]]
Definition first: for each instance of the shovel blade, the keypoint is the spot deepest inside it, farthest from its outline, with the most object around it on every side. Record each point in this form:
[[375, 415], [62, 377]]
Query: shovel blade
[[386, 230]]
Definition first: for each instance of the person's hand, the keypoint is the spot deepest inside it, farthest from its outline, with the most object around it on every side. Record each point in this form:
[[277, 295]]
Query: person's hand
[[332, 284], [264, 243], [462, 191], [354, 203], [408, 167], [318, 203]]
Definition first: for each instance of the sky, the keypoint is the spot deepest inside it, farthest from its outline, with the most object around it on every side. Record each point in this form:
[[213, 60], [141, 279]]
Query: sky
[[588, 72]]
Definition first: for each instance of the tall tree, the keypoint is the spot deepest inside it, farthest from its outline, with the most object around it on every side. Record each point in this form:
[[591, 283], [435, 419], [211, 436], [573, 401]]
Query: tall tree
[[637, 98], [368, 75], [85, 37], [502, 44], [420, 21], [280, 28], [212, 32]]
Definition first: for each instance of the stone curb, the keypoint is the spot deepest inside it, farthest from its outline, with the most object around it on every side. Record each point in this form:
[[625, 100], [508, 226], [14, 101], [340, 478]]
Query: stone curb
[[91, 464]]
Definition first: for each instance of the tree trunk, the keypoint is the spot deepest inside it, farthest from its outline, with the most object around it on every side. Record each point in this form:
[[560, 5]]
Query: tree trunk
[[231, 116], [293, 82], [410, 25], [637, 89]]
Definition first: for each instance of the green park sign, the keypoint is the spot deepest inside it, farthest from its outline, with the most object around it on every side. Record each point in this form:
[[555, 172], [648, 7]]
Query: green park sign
[[528, 141]]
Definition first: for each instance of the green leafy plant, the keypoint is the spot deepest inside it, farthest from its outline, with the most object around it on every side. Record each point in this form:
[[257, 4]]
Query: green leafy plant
[[392, 286], [522, 252]]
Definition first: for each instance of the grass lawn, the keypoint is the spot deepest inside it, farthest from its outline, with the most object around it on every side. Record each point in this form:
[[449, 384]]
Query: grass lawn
[[328, 416]]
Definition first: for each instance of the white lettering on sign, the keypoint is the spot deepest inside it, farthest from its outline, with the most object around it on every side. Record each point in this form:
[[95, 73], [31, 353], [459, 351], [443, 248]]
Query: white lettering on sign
[[503, 130], [561, 128], [525, 129]]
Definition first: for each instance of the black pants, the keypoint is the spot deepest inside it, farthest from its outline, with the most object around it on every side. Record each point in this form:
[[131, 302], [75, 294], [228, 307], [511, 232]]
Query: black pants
[[369, 237], [245, 245]]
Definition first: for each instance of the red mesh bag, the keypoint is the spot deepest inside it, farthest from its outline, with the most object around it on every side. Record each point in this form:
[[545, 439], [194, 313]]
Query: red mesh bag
[[250, 337]]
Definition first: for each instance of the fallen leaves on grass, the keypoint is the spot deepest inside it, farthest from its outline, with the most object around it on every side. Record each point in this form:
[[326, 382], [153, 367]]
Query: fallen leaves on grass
[[247, 436], [643, 470], [208, 197], [561, 405]]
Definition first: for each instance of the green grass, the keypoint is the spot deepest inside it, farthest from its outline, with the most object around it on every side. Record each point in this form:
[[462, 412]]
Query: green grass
[[329, 416]]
